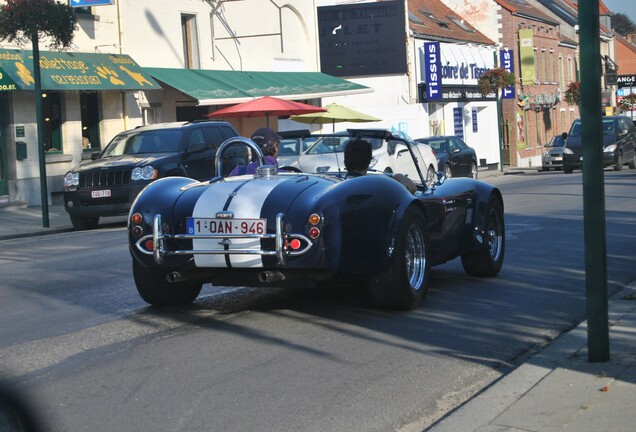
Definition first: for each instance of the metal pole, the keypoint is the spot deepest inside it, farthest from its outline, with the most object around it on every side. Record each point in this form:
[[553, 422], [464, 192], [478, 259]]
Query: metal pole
[[593, 186], [44, 195]]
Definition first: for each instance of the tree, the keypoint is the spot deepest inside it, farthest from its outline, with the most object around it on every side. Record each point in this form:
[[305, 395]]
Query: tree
[[20, 20], [622, 24], [24, 20]]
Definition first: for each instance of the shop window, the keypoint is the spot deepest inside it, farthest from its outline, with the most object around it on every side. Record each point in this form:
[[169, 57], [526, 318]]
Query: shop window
[[149, 116], [89, 102], [190, 41], [52, 114]]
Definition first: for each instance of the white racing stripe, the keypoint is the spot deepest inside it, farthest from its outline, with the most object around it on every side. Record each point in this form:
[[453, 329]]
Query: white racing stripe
[[247, 204]]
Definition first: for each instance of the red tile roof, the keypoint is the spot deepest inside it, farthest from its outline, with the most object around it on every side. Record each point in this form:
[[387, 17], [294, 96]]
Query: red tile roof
[[625, 56], [436, 21], [525, 9]]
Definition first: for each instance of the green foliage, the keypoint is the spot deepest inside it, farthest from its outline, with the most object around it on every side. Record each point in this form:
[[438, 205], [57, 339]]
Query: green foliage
[[573, 93], [21, 20], [622, 24], [494, 79]]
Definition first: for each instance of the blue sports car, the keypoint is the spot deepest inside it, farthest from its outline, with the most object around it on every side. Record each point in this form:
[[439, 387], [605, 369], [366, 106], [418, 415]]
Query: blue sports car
[[279, 227]]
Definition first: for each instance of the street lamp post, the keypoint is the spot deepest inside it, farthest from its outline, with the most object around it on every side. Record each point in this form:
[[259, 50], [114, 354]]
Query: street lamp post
[[44, 195]]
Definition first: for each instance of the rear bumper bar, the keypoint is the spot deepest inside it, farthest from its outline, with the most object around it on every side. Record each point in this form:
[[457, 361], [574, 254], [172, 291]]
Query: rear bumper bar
[[281, 241]]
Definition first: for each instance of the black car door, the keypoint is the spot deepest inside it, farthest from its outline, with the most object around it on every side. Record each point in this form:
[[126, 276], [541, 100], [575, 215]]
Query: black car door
[[627, 137], [198, 158], [459, 157]]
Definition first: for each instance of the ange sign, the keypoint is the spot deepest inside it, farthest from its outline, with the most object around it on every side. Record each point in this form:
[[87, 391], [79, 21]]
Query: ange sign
[[86, 3]]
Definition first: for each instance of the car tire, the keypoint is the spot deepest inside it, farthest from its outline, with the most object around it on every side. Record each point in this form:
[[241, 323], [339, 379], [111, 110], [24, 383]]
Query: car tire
[[155, 289], [619, 162], [474, 172], [84, 223], [488, 259], [404, 283], [447, 171], [632, 162], [567, 169]]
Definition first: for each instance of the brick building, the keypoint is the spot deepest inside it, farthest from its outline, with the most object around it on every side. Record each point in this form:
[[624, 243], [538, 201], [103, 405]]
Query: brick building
[[545, 62]]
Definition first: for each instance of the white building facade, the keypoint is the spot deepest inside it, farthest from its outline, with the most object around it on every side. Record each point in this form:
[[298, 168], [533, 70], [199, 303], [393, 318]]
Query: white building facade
[[189, 58]]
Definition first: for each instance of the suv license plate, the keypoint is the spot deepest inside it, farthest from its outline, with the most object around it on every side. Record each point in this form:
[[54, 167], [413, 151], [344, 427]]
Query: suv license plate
[[205, 226], [100, 193]]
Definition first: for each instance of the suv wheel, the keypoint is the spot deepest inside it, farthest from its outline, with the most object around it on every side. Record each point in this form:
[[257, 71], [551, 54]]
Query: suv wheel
[[84, 223], [619, 163]]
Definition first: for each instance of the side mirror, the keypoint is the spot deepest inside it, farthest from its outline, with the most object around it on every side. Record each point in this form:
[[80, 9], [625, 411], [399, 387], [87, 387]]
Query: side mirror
[[564, 135], [94, 155]]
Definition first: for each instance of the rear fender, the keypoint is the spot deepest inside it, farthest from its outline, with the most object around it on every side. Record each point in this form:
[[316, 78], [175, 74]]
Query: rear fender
[[159, 197], [362, 218]]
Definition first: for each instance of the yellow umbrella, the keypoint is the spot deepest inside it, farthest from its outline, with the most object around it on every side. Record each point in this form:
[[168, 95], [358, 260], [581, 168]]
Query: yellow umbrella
[[335, 114]]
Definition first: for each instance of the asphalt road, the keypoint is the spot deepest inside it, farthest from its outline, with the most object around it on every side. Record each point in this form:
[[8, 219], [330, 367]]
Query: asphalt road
[[88, 353]]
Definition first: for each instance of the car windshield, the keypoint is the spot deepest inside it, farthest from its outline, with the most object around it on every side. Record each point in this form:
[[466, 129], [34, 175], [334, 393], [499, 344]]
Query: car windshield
[[152, 141], [557, 141], [337, 144], [295, 146], [439, 145], [609, 127]]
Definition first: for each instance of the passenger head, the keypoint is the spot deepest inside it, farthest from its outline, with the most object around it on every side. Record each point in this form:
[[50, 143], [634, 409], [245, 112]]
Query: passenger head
[[357, 155], [267, 139]]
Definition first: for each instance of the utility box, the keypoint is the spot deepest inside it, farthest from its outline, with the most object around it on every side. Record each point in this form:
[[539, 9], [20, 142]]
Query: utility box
[[20, 150]]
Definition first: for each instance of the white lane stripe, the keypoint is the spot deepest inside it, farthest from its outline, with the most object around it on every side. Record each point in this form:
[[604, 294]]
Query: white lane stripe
[[247, 204]]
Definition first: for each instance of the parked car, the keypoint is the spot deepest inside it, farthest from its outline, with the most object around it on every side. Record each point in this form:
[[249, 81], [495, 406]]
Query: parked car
[[454, 157], [293, 144], [552, 157], [619, 144], [390, 154], [108, 184], [295, 229]]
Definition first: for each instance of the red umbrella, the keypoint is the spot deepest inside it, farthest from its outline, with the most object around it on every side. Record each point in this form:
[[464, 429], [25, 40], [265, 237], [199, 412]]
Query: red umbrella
[[266, 106]]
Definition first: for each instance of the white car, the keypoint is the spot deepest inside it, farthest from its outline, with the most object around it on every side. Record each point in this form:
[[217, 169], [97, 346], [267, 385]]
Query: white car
[[390, 155], [294, 143]]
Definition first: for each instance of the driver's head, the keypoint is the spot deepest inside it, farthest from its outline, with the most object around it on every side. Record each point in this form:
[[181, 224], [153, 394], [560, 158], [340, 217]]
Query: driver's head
[[357, 155], [267, 139]]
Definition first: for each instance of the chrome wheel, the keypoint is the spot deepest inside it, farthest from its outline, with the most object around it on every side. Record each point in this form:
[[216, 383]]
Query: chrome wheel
[[415, 256], [447, 172], [473, 170], [495, 235]]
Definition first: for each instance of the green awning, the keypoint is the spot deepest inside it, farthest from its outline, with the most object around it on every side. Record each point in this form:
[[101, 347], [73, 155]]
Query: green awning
[[73, 71], [216, 87]]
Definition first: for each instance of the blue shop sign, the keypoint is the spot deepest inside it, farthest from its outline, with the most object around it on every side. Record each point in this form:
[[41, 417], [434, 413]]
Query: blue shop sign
[[86, 3], [433, 66], [505, 61]]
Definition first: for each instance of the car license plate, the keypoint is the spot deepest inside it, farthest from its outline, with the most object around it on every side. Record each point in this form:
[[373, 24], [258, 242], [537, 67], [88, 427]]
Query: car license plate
[[100, 193], [205, 226], [557, 158]]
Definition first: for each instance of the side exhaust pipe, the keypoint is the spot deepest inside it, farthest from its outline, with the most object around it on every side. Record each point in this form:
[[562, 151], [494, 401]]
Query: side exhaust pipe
[[174, 276], [270, 276]]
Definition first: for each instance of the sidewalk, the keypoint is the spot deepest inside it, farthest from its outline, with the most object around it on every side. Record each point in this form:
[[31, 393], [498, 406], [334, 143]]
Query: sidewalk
[[20, 220], [556, 389]]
